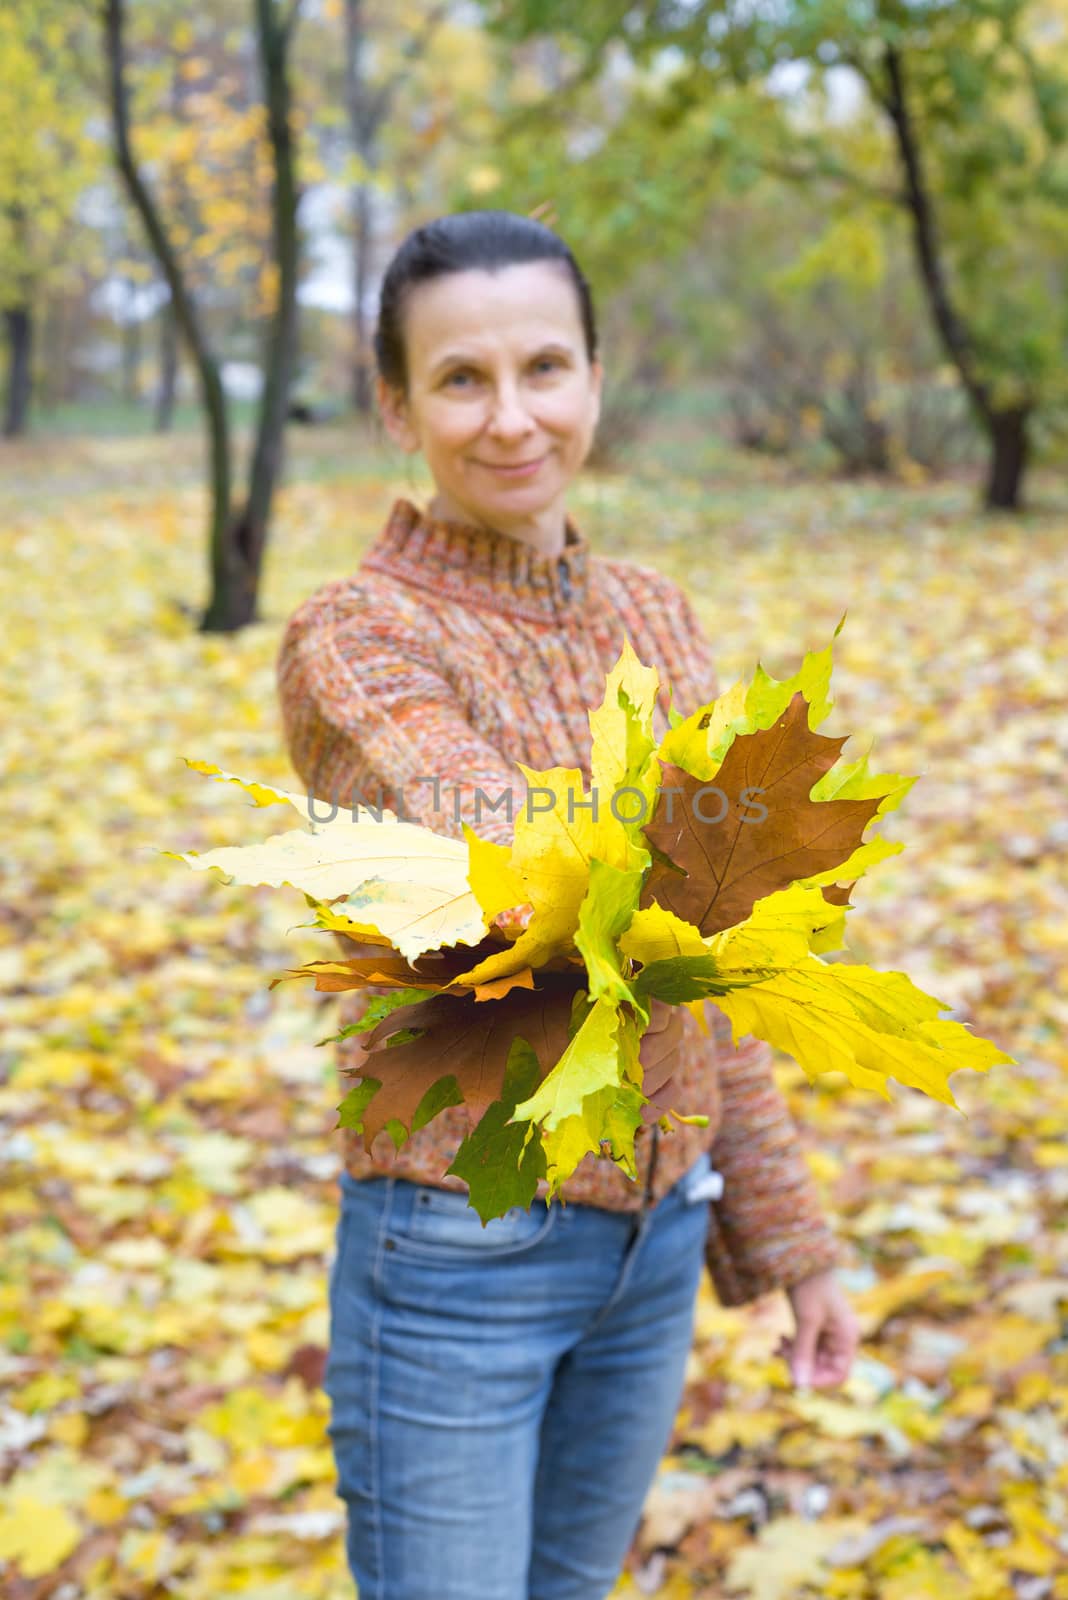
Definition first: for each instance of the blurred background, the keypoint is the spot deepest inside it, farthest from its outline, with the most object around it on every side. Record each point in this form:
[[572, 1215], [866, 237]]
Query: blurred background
[[828, 245]]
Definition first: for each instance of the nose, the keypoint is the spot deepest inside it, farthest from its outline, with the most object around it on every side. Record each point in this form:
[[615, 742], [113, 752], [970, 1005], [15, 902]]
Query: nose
[[510, 418]]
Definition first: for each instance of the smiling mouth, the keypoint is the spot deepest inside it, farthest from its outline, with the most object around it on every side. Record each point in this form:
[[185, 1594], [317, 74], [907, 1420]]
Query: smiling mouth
[[512, 466]]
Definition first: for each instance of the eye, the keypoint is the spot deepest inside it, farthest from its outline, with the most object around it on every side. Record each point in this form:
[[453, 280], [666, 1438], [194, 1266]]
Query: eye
[[548, 361], [461, 372]]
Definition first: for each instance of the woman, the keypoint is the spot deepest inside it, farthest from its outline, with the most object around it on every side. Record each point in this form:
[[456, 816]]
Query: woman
[[501, 1396]]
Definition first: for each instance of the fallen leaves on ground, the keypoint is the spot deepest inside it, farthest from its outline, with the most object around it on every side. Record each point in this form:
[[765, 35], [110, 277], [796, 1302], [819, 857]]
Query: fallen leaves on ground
[[166, 1121]]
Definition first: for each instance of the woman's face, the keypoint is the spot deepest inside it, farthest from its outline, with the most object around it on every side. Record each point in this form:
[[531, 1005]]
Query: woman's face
[[498, 378]]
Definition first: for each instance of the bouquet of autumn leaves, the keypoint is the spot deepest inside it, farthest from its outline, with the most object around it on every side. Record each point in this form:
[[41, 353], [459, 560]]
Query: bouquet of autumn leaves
[[715, 864]]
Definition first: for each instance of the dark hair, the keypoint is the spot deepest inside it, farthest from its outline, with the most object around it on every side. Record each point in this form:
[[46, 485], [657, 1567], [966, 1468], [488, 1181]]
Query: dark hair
[[461, 242]]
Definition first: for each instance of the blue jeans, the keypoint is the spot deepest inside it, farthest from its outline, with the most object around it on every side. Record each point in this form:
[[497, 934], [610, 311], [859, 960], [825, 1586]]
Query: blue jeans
[[501, 1396]]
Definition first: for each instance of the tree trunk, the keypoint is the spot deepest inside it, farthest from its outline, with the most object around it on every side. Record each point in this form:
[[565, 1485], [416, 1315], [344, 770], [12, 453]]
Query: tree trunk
[[1010, 445], [237, 563], [212, 393], [367, 111], [131, 356], [363, 363], [1006, 430], [19, 323], [47, 316], [361, 111], [70, 322], [238, 537], [54, 337], [168, 368]]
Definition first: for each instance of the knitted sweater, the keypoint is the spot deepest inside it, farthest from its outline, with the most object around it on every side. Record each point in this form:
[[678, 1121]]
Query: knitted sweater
[[452, 653]]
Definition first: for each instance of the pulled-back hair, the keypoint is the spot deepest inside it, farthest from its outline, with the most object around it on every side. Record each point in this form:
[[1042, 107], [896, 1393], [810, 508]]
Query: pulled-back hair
[[466, 241]]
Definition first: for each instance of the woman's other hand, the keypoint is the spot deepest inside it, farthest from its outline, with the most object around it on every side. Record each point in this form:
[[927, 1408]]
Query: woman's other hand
[[826, 1332]]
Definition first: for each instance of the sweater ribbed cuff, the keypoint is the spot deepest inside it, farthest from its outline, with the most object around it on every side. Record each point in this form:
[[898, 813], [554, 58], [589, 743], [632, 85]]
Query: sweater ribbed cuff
[[739, 1276]]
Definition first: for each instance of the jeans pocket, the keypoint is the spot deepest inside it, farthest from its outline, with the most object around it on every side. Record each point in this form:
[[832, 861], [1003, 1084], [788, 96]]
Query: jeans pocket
[[441, 1221]]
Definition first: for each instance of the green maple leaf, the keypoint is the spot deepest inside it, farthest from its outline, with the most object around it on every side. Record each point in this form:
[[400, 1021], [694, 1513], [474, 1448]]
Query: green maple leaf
[[501, 1161], [603, 916], [586, 1098], [378, 1007]]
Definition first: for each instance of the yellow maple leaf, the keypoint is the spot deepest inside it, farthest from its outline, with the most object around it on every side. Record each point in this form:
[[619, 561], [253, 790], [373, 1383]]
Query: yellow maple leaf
[[401, 881], [656, 934], [495, 883], [875, 1305], [869, 1025], [621, 729], [788, 1553], [36, 1535], [549, 862]]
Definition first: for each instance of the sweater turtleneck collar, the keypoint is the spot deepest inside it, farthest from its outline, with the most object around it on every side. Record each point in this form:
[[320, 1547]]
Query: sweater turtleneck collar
[[482, 567]]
